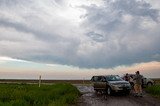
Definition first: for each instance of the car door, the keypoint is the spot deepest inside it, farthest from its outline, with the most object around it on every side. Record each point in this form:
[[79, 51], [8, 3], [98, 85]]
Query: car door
[[98, 84], [95, 82], [102, 83]]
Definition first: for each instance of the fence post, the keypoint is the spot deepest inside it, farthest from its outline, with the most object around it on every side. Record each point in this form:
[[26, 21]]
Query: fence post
[[40, 81], [83, 81]]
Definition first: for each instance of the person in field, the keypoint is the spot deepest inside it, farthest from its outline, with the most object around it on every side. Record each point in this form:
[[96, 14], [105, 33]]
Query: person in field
[[138, 84], [126, 77]]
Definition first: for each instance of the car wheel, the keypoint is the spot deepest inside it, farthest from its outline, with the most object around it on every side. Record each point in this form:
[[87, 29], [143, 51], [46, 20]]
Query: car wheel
[[109, 91], [149, 84], [127, 92], [96, 90]]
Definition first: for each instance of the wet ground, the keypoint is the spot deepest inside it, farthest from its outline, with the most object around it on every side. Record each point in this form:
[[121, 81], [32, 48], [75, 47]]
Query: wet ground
[[91, 98]]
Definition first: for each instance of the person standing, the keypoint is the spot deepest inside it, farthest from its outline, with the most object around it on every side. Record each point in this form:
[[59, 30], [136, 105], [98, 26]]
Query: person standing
[[126, 77], [138, 84]]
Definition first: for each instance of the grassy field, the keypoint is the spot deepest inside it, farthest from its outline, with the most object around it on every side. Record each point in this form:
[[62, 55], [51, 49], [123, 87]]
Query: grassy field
[[60, 94], [156, 80], [154, 90], [33, 81]]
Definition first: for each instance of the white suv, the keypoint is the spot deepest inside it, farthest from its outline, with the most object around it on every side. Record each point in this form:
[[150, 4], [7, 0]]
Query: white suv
[[145, 81]]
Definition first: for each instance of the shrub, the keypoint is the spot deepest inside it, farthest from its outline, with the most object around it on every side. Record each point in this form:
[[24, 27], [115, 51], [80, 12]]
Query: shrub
[[154, 90]]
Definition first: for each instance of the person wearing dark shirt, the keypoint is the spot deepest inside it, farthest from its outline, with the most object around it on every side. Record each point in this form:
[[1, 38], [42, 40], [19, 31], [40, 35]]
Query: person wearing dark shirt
[[126, 77]]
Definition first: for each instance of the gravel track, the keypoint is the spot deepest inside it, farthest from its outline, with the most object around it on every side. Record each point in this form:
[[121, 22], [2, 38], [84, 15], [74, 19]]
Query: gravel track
[[91, 98]]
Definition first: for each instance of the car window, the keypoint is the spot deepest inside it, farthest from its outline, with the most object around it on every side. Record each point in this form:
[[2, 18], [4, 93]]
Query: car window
[[95, 78], [99, 78], [113, 78]]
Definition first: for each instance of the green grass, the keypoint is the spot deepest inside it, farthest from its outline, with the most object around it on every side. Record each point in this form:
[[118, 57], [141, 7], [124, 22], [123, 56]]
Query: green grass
[[154, 90], [31, 95]]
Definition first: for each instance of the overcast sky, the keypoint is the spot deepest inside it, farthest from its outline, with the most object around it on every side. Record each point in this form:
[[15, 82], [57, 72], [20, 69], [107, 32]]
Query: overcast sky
[[79, 37]]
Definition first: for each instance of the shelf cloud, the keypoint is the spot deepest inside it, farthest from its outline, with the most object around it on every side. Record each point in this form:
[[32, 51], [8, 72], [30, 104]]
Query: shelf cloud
[[92, 34]]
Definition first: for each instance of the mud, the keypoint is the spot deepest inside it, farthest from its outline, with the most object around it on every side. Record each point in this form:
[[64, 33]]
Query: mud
[[91, 98]]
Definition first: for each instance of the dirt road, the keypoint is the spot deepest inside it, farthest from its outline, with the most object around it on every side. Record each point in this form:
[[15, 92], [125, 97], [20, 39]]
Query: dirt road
[[90, 98]]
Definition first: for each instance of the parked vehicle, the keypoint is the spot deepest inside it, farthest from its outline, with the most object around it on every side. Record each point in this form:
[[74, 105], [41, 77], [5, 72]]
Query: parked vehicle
[[145, 81], [110, 84]]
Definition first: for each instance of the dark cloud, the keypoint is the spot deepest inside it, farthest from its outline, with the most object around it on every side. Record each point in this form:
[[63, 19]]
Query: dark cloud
[[115, 33], [126, 42], [39, 34], [95, 36], [136, 8]]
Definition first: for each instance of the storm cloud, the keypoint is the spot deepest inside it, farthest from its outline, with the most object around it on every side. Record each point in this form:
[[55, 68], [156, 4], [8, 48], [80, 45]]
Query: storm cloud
[[85, 35]]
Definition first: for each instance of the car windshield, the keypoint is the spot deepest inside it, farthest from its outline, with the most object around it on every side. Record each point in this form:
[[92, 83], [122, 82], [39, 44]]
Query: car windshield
[[113, 78]]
